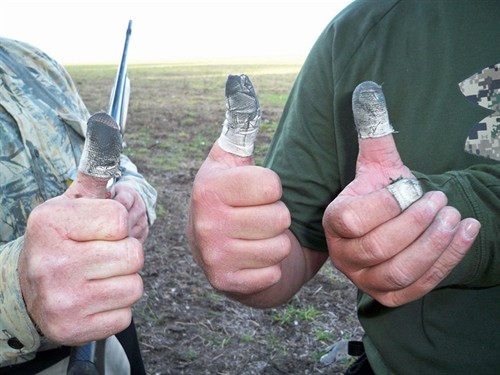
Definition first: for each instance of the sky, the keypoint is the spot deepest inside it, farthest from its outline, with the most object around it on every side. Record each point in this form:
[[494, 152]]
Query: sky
[[93, 31]]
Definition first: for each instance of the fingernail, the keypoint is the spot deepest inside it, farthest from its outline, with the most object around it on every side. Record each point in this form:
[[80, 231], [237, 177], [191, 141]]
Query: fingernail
[[471, 229]]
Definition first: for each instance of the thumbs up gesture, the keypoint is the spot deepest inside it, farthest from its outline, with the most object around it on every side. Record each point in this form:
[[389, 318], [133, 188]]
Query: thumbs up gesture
[[237, 223], [79, 267], [394, 242]]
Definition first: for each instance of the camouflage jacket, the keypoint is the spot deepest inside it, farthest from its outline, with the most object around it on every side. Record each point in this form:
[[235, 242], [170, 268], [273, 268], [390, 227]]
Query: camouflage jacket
[[42, 127]]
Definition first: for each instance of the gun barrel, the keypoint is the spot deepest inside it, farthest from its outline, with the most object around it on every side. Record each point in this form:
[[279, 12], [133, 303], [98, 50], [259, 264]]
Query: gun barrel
[[117, 98]]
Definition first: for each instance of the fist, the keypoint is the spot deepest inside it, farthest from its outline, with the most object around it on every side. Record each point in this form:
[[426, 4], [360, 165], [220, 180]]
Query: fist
[[79, 269]]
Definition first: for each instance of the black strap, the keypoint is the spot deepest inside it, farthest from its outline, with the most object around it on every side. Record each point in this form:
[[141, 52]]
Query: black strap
[[130, 342], [360, 367], [42, 361], [355, 348]]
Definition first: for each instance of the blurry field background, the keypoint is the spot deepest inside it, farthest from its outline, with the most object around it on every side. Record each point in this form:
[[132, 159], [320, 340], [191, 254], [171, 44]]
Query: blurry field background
[[184, 326]]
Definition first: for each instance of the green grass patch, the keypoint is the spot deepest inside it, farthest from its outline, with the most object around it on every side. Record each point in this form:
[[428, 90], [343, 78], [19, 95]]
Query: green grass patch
[[292, 314]]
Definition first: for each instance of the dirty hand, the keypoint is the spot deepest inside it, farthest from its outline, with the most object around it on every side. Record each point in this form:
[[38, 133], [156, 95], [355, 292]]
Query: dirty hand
[[394, 242], [237, 223], [137, 216], [79, 267]]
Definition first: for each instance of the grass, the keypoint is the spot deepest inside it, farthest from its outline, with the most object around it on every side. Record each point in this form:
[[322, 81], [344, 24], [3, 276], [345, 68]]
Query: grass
[[292, 314], [325, 336]]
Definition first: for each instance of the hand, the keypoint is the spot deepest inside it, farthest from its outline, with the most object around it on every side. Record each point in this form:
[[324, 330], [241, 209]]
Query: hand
[[394, 256], [79, 267], [137, 216], [237, 223]]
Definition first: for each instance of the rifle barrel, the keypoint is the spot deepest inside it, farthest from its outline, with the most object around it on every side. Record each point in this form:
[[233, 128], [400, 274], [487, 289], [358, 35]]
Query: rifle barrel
[[116, 101]]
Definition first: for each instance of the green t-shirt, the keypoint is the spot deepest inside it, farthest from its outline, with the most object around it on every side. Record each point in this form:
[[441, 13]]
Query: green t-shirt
[[439, 66]]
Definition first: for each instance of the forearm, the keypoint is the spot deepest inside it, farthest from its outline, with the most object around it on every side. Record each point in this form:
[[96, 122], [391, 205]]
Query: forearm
[[296, 270], [19, 339]]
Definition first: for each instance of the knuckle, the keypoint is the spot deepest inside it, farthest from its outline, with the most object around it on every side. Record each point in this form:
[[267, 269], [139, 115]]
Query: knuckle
[[436, 275], [139, 285], [116, 212], [56, 325], [421, 216], [144, 230], [121, 217], [343, 219], [60, 304], [271, 189], [135, 255], [204, 193], [448, 220], [372, 248], [36, 216], [284, 246], [398, 278], [137, 288], [390, 300], [441, 239], [123, 321], [37, 220], [111, 325], [220, 281], [213, 258], [283, 216], [275, 275], [197, 193], [204, 228]]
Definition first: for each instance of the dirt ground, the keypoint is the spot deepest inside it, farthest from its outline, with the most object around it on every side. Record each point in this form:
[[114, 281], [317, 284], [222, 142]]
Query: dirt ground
[[187, 328], [184, 326]]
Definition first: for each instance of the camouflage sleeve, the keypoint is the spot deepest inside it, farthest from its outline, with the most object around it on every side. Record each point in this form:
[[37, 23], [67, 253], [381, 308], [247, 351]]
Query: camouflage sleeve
[[19, 339], [135, 180]]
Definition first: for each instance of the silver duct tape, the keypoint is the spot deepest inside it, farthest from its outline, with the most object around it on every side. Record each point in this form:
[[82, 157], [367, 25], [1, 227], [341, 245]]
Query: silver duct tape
[[102, 148], [406, 191], [243, 116], [370, 111]]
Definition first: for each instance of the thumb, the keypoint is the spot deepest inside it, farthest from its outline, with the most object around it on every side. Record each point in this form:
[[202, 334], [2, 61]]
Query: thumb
[[242, 122], [378, 156], [376, 143], [100, 160]]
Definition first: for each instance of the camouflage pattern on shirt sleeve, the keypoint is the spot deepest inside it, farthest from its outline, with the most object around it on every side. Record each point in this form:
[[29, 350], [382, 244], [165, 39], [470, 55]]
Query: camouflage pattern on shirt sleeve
[[483, 89], [37, 151], [19, 339]]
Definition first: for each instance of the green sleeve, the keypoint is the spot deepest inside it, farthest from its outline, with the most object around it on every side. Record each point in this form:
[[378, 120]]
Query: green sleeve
[[474, 192], [304, 144]]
